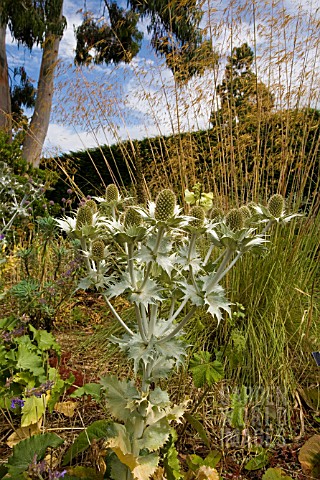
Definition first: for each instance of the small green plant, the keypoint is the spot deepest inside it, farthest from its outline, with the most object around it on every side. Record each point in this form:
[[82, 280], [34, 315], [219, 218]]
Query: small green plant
[[150, 258], [28, 384]]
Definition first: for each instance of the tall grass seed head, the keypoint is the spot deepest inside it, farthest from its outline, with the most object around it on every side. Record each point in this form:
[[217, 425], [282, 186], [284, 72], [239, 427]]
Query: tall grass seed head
[[112, 193], [84, 217], [199, 214], [92, 204], [276, 205], [165, 205], [132, 218], [97, 249], [234, 219]]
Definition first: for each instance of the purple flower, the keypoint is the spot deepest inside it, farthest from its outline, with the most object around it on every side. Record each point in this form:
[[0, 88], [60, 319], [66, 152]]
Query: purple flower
[[17, 402], [2, 237], [63, 200], [89, 197], [69, 191], [51, 202], [54, 474]]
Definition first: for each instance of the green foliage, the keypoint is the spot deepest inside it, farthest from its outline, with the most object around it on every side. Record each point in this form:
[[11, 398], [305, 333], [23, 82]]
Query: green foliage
[[100, 429], [204, 370], [260, 460], [275, 474], [238, 408], [25, 452]]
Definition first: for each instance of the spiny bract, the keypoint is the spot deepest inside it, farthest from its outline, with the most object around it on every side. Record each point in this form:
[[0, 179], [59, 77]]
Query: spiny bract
[[84, 216], [165, 205], [199, 214], [234, 219], [276, 205], [132, 218], [112, 193]]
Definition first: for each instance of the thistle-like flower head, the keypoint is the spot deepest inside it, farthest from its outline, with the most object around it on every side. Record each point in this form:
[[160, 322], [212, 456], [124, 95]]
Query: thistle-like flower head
[[97, 249], [92, 204], [84, 216], [132, 218], [112, 193], [276, 205], [165, 205], [234, 219], [199, 217], [216, 213]]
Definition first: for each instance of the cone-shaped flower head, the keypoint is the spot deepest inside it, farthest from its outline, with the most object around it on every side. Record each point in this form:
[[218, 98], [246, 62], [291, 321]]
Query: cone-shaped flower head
[[84, 216], [132, 218], [92, 204], [199, 214], [276, 205], [216, 213], [165, 205], [251, 206], [245, 212], [112, 193], [97, 250], [234, 219]]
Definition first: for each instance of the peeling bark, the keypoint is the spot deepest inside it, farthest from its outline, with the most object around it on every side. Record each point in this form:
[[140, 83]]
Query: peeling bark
[[5, 101], [37, 131]]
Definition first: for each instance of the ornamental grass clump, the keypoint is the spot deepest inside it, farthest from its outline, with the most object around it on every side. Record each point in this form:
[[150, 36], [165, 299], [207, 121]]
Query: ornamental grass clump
[[150, 257]]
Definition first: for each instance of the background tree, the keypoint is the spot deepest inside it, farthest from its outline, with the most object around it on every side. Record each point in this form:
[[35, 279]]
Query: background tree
[[31, 22], [175, 34], [241, 94]]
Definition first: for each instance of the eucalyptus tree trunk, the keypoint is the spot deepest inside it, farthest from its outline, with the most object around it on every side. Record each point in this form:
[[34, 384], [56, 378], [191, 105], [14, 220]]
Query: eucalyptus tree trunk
[[37, 131], [5, 101]]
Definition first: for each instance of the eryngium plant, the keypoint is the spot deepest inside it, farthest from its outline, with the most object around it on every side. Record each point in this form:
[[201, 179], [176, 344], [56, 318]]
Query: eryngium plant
[[149, 256]]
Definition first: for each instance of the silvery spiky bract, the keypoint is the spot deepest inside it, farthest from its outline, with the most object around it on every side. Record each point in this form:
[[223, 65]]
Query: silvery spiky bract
[[165, 205], [234, 219], [112, 193], [84, 216], [276, 205], [97, 249], [199, 214]]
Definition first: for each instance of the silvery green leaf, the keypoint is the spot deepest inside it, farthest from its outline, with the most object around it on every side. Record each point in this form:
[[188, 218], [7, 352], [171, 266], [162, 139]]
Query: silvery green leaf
[[166, 262], [216, 303], [150, 294], [229, 242], [120, 287], [191, 293], [159, 397], [144, 254], [119, 393], [85, 283], [155, 435]]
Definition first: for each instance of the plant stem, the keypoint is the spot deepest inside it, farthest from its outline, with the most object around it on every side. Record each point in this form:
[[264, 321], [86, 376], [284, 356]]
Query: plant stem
[[154, 252], [182, 305], [117, 316], [219, 273], [142, 328], [179, 326]]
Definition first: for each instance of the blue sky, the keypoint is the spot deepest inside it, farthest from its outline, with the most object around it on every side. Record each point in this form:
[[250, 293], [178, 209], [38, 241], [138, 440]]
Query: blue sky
[[103, 104]]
